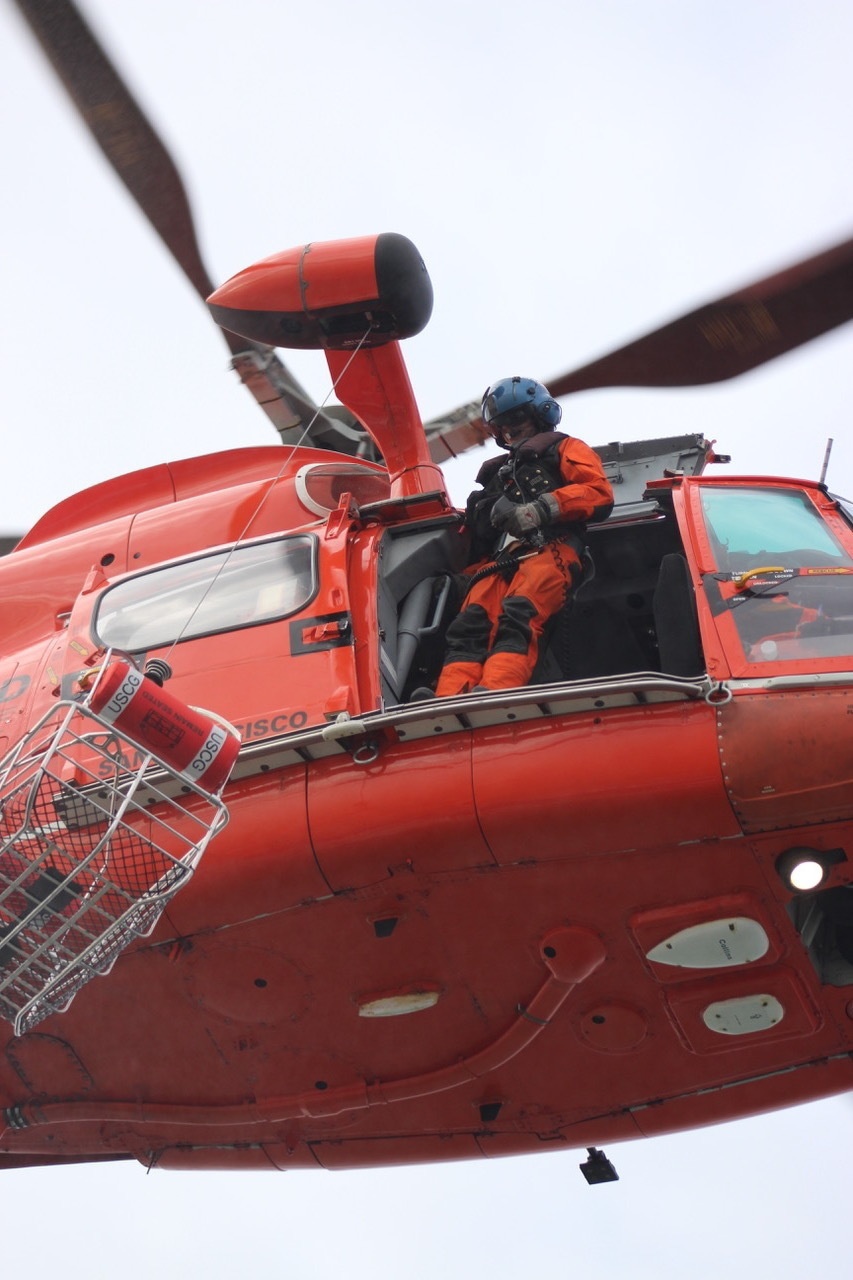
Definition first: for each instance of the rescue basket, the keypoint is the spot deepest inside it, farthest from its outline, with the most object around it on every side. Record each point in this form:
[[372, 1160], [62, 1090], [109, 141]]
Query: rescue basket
[[97, 834]]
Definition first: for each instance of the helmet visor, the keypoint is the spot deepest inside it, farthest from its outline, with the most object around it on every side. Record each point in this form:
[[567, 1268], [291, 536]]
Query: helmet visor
[[512, 422]]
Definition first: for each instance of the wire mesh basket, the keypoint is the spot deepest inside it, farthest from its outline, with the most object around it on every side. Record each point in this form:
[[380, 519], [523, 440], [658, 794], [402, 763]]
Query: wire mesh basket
[[96, 836]]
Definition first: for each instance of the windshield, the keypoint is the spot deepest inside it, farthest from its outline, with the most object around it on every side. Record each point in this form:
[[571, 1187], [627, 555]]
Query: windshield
[[221, 592], [756, 526], [785, 577]]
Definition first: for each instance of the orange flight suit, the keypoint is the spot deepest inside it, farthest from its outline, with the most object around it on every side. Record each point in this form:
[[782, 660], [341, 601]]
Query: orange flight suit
[[494, 641]]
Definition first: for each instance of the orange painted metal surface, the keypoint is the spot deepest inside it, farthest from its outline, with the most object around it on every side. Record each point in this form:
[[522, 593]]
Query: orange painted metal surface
[[375, 385], [787, 756], [459, 861], [305, 278], [631, 779], [393, 804]]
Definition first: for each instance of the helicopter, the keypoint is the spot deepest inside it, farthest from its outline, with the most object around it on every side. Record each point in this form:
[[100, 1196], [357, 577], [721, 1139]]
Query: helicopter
[[652, 961]]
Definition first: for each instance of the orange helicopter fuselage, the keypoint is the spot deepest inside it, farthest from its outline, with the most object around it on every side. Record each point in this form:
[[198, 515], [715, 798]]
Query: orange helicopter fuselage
[[439, 930], [610, 904]]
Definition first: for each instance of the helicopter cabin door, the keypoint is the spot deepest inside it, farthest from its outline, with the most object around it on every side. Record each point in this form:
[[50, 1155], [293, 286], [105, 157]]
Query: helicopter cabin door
[[246, 630], [776, 562]]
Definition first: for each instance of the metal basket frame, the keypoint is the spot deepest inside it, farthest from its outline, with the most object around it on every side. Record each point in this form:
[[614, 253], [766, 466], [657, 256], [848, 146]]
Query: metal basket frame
[[97, 834]]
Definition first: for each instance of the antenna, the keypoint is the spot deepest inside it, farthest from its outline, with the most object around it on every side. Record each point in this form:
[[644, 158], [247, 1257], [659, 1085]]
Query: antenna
[[823, 469]]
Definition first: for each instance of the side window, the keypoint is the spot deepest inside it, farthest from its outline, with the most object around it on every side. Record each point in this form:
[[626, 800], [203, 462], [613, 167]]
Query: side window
[[784, 577], [320, 485], [757, 527], [240, 587]]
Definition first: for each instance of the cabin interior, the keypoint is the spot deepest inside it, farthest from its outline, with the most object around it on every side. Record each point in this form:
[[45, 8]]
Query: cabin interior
[[634, 609]]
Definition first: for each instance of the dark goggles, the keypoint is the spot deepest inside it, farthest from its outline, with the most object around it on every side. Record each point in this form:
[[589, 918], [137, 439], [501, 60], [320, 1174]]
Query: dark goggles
[[512, 419]]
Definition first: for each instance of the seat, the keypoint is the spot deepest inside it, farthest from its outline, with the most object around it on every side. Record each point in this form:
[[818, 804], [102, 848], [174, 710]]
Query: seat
[[676, 619]]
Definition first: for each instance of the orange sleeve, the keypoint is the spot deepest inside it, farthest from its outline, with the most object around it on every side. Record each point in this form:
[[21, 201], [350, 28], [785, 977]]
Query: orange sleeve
[[587, 490]]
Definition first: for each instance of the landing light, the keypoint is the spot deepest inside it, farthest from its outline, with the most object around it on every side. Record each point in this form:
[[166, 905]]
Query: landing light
[[806, 875], [804, 870]]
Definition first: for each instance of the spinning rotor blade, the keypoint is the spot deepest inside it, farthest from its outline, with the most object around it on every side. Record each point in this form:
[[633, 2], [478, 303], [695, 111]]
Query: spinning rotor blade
[[138, 156], [717, 341], [734, 334], [119, 127]]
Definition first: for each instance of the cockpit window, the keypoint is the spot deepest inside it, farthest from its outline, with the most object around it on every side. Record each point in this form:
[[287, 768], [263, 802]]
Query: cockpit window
[[783, 575], [240, 587], [752, 527]]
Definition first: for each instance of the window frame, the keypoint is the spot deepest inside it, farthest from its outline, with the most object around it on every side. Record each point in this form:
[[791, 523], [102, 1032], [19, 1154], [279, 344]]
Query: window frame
[[719, 588]]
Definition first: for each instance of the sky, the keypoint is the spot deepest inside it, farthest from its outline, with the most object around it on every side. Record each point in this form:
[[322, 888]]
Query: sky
[[574, 174]]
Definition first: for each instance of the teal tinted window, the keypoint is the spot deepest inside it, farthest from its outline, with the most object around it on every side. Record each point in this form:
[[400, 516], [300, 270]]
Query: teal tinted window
[[763, 526], [789, 582]]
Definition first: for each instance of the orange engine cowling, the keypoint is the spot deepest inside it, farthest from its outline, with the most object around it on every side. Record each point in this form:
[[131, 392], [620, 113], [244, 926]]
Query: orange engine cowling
[[331, 295]]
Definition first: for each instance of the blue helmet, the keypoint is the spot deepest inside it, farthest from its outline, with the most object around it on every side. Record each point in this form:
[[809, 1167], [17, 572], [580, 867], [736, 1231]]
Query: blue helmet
[[516, 400]]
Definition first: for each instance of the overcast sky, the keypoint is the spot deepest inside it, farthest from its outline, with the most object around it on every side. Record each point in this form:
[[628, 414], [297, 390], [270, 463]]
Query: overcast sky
[[574, 174]]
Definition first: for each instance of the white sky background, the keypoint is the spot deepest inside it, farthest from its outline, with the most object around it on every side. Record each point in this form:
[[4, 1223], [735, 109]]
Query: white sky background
[[574, 174]]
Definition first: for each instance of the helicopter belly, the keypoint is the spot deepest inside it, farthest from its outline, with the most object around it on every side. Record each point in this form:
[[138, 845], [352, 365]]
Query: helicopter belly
[[450, 947], [253, 1040]]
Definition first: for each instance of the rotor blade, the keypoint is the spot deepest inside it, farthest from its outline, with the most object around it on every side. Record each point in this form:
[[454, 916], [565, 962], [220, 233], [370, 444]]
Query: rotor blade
[[733, 334], [717, 341], [119, 127], [451, 435], [139, 157]]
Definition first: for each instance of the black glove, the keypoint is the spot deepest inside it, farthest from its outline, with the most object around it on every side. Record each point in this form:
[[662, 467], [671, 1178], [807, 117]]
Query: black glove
[[501, 512]]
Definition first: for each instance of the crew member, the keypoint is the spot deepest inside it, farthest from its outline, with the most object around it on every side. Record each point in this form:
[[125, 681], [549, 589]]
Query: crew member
[[527, 524]]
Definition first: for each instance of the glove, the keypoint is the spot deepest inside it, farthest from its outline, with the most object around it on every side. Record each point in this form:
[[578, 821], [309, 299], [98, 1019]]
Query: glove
[[528, 517], [501, 512]]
